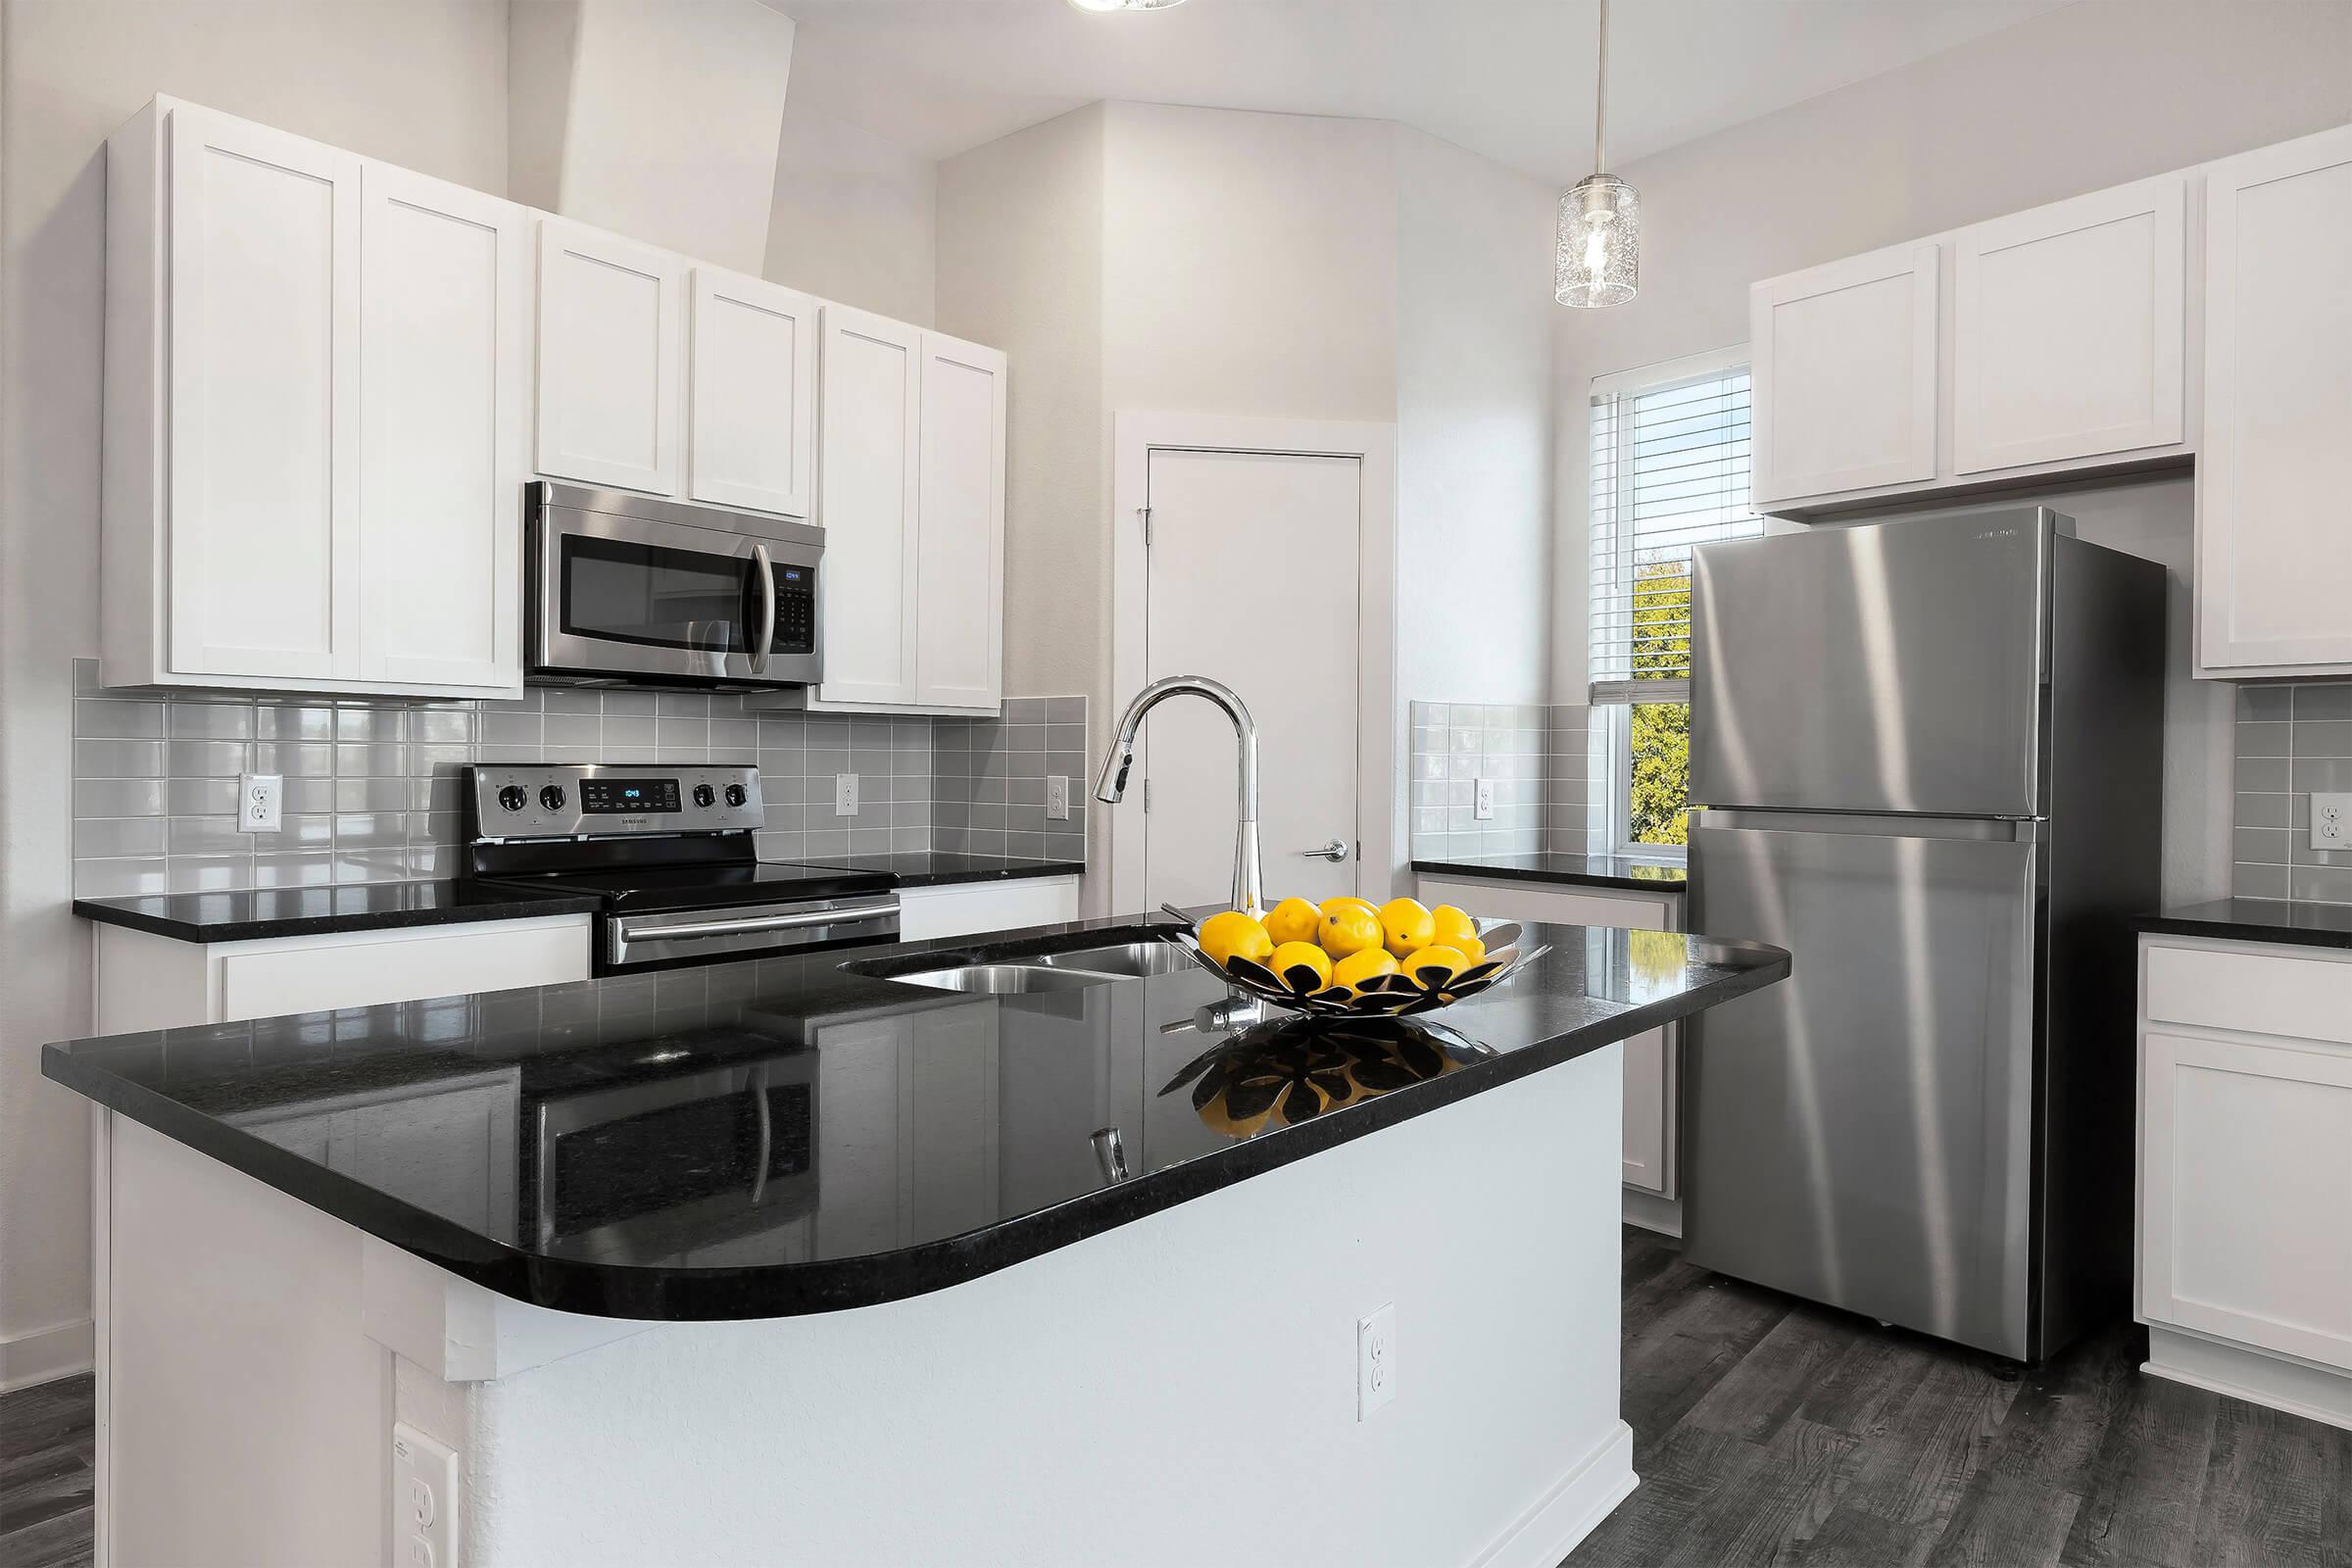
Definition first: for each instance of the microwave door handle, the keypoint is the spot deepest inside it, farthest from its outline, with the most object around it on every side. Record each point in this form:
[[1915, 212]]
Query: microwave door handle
[[767, 608]]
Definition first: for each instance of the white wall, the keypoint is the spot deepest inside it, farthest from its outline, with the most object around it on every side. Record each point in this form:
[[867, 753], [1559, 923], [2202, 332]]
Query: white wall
[[419, 82], [854, 218], [2091, 95]]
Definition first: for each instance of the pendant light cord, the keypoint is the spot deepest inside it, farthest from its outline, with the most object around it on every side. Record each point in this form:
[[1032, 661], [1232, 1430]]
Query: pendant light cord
[[1601, 94]]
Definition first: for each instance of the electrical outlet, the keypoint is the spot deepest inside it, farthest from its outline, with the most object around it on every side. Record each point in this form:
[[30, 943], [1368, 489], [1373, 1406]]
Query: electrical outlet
[[1375, 1362], [2330, 821], [1057, 797], [1483, 807], [261, 796], [424, 1501], [845, 795]]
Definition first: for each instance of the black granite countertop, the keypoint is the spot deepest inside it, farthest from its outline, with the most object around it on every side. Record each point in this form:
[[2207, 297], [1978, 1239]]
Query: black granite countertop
[[1571, 870], [2310, 926], [264, 912], [797, 1135], [930, 868]]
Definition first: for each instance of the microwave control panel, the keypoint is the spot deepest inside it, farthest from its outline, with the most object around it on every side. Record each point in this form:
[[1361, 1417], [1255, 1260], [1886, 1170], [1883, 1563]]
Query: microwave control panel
[[796, 609]]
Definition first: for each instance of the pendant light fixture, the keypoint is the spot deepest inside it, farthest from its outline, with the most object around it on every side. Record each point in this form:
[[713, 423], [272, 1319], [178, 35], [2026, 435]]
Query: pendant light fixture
[[1598, 256]]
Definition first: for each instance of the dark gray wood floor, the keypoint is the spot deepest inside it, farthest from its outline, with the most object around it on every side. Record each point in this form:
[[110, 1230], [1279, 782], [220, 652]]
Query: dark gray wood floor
[[1767, 1430], [45, 1475]]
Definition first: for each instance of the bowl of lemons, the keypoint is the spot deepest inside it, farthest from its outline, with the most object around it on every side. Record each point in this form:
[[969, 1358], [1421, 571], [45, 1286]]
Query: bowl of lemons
[[1351, 957]]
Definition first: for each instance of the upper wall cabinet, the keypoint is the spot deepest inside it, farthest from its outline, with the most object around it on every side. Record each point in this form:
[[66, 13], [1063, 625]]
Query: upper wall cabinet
[[2273, 521], [312, 430], [612, 349], [2068, 329], [912, 500], [1845, 374], [751, 404]]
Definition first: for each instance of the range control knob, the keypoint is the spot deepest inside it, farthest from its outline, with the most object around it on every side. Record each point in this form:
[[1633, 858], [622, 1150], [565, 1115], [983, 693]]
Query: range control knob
[[514, 798], [704, 795], [736, 795], [552, 797]]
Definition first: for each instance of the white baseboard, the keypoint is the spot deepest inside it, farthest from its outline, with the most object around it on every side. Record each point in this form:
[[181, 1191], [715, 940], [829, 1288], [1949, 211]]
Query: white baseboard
[[41, 1355], [1651, 1213], [2295, 1386], [1563, 1516]]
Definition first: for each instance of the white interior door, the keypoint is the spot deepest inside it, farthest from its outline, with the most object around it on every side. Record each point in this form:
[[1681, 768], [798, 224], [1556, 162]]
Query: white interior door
[[1251, 581]]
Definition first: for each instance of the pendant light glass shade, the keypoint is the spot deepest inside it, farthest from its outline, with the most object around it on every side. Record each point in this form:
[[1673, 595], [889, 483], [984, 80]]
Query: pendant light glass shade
[[1598, 258]]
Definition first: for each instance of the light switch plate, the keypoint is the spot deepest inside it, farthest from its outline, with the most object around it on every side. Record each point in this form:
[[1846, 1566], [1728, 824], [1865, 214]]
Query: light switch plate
[[261, 799], [2330, 821], [845, 795]]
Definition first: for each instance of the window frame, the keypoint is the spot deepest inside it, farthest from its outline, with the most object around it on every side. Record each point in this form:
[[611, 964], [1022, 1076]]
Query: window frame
[[1612, 702]]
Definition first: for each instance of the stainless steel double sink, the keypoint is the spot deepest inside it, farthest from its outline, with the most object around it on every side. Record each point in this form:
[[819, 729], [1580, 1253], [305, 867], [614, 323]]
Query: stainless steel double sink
[[1071, 970]]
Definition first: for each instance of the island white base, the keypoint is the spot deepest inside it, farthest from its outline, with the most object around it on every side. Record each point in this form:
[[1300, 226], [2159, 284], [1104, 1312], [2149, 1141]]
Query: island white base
[[1179, 1390]]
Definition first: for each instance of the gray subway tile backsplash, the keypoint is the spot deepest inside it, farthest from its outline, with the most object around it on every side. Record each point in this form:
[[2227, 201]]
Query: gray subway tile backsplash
[[2291, 739], [1534, 753], [371, 788]]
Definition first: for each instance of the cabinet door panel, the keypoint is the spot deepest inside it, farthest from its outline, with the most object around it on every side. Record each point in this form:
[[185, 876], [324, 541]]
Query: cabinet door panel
[[264, 401], [2273, 517], [1846, 367], [611, 318], [752, 416], [443, 290], [2245, 1189], [959, 593], [873, 377], [2068, 329]]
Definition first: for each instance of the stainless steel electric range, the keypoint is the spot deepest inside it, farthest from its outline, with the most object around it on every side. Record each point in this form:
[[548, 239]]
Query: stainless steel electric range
[[669, 852]]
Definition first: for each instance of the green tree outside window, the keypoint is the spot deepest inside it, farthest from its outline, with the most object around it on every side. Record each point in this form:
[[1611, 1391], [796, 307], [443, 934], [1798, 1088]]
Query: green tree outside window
[[1658, 793]]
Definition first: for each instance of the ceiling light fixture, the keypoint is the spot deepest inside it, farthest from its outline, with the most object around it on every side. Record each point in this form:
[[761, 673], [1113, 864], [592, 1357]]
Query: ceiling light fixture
[[1599, 258], [1124, 4]]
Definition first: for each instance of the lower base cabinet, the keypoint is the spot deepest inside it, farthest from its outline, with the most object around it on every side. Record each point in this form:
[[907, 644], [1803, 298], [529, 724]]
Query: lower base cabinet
[[2246, 1170], [1649, 1059]]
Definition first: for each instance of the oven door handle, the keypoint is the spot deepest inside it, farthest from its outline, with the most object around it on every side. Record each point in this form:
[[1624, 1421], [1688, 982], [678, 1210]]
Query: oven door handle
[[767, 608], [704, 929]]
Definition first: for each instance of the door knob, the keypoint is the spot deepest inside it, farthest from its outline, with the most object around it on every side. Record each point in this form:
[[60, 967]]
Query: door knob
[[1336, 850]]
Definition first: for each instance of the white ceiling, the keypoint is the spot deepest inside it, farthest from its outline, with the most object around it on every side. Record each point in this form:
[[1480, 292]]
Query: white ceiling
[[1509, 78]]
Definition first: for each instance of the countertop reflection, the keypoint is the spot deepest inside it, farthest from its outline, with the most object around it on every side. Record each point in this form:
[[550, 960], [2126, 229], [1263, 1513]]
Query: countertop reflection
[[789, 1135]]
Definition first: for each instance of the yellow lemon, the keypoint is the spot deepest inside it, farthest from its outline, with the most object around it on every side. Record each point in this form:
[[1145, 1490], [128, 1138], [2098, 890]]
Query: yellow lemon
[[1434, 966], [1300, 956], [1233, 934], [1452, 927], [1405, 926], [1473, 950], [1354, 970], [1348, 930], [1293, 920]]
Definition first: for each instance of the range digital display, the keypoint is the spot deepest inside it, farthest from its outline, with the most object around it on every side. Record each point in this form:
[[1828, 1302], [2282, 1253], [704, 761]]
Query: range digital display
[[615, 795]]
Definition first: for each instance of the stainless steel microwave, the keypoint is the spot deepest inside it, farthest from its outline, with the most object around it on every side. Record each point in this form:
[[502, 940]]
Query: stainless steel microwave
[[630, 590]]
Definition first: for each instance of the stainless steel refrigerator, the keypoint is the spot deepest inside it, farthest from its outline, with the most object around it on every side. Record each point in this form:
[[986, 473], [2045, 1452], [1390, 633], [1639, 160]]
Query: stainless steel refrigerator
[[1929, 756]]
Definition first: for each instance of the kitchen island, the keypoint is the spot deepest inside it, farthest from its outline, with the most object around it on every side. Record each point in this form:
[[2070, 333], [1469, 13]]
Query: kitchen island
[[794, 1261]]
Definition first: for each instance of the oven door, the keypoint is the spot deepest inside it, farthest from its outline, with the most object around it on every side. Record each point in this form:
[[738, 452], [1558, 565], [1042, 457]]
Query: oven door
[[629, 588], [680, 937]]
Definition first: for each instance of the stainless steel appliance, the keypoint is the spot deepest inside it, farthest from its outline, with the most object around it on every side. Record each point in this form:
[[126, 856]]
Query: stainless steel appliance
[[669, 851], [627, 589], [1929, 754]]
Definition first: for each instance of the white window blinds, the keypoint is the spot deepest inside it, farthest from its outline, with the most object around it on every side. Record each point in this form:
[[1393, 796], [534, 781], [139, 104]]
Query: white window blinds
[[1669, 473]]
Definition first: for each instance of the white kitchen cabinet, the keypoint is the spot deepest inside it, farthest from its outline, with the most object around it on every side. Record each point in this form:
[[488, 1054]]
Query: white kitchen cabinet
[[970, 908], [752, 400], [1649, 1155], [2070, 329], [2246, 1170], [1845, 374], [911, 490], [312, 418], [612, 352], [444, 319], [2274, 584]]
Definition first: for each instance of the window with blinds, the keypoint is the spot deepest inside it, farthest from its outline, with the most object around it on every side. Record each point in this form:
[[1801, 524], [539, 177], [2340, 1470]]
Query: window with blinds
[[1670, 470]]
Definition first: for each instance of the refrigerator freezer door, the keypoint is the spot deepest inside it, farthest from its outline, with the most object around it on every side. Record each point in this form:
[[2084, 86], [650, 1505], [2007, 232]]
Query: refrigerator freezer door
[[1894, 667], [1860, 1132]]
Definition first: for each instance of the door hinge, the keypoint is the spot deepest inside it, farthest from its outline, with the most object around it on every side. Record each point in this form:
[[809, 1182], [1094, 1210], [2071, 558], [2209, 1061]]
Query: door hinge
[[1145, 513]]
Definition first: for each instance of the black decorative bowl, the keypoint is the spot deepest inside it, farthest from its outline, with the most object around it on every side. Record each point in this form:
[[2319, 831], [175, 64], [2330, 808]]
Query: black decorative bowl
[[1386, 996]]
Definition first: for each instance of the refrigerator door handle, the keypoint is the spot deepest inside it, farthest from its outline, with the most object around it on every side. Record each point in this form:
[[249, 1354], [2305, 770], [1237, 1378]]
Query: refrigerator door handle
[[1979, 829]]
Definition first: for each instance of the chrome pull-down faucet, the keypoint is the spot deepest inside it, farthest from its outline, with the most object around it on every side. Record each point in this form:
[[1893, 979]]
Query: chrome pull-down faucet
[[1248, 891]]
